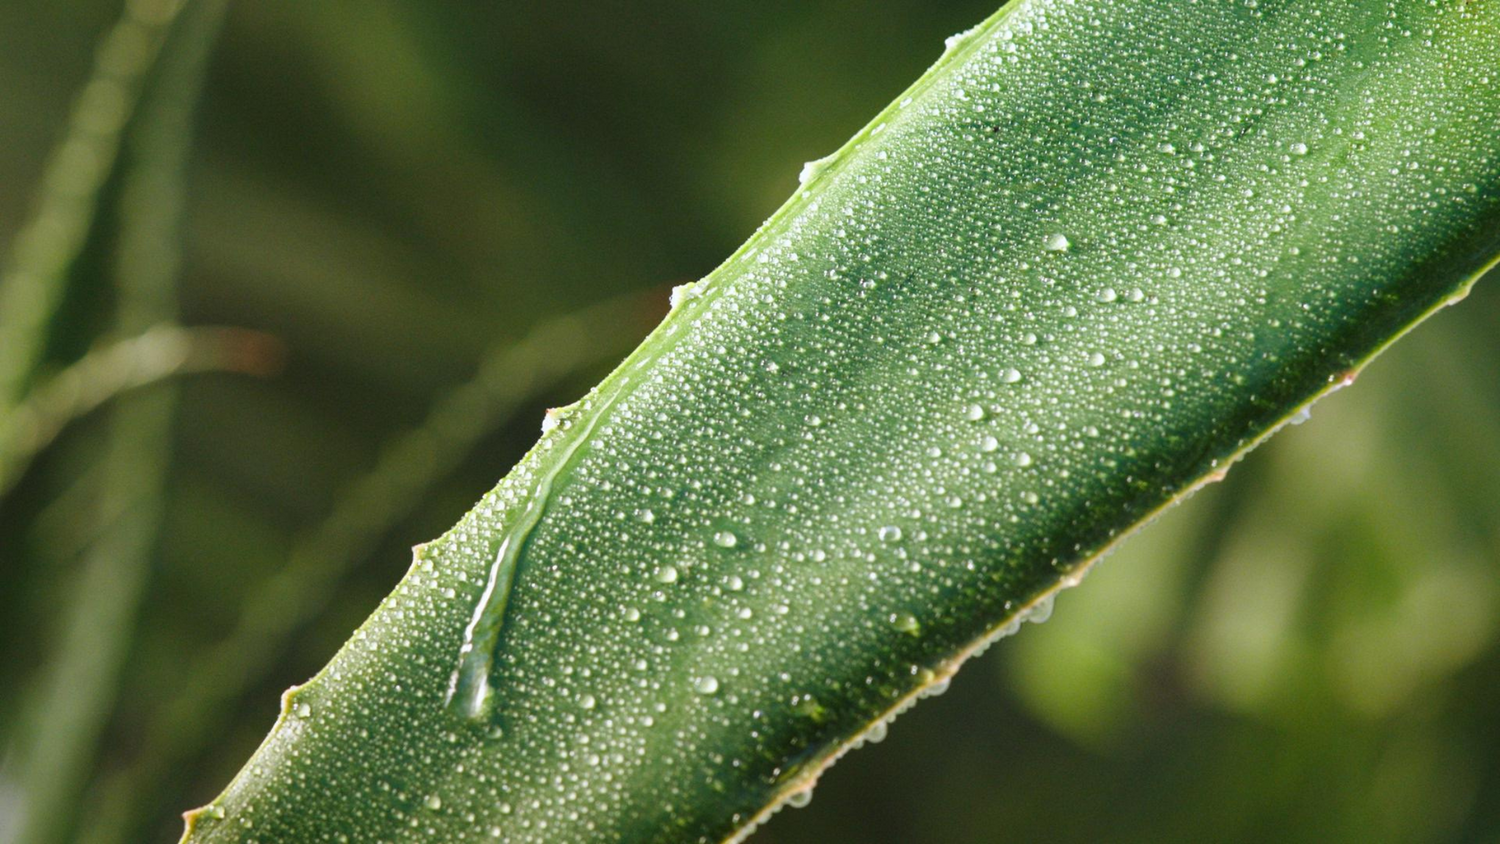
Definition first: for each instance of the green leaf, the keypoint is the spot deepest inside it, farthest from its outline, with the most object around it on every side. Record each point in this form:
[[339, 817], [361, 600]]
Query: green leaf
[[1093, 256]]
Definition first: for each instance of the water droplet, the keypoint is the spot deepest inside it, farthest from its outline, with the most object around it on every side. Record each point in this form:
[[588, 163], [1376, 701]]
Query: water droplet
[[726, 539], [906, 623], [989, 444], [469, 691], [1040, 611], [733, 583], [799, 799], [974, 413], [645, 516], [587, 701], [433, 802], [1022, 459], [1057, 242], [1096, 359], [1011, 376], [1107, 295], [1298, 149], [706, 685], [666, 574], [890, 533]]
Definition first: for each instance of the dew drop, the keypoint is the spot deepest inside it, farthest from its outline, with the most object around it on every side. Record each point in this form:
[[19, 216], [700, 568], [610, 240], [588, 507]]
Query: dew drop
[[1011, 376], [726, 539], [890, 533], [1057, 242], [706, 685], [905, 622], [1040, 611], [666, 574]]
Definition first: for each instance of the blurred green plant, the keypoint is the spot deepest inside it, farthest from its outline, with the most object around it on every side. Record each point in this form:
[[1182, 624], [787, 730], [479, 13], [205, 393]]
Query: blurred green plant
[[77, 690]]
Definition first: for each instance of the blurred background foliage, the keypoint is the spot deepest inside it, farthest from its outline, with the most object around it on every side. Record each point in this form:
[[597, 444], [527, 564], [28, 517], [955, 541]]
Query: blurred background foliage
[[451, 216]]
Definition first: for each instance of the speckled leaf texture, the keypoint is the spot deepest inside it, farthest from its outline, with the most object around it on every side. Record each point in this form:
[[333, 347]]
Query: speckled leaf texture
[[1096, 253]]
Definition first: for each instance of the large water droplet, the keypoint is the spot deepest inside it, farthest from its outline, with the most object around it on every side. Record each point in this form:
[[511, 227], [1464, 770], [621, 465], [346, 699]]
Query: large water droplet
[[906, 623], [469, 691]]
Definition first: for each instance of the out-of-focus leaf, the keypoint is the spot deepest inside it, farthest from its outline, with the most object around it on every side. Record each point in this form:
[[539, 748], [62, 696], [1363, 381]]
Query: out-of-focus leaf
[[75, 694], [46, 247]]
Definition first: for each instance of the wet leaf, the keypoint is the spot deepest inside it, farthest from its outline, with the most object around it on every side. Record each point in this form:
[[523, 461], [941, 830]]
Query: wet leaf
[[1099, 251]]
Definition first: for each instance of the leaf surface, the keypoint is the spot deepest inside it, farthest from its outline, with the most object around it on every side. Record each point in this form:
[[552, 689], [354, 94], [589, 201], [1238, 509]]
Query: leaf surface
[[1095, 254]]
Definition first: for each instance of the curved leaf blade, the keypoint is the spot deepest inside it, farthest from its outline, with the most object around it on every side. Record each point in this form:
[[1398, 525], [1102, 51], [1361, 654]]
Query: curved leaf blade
[[1088, 260]]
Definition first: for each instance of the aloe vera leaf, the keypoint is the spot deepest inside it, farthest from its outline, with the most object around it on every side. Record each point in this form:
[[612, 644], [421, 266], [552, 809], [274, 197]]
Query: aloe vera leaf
[[554, 352], [1088, 260]]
